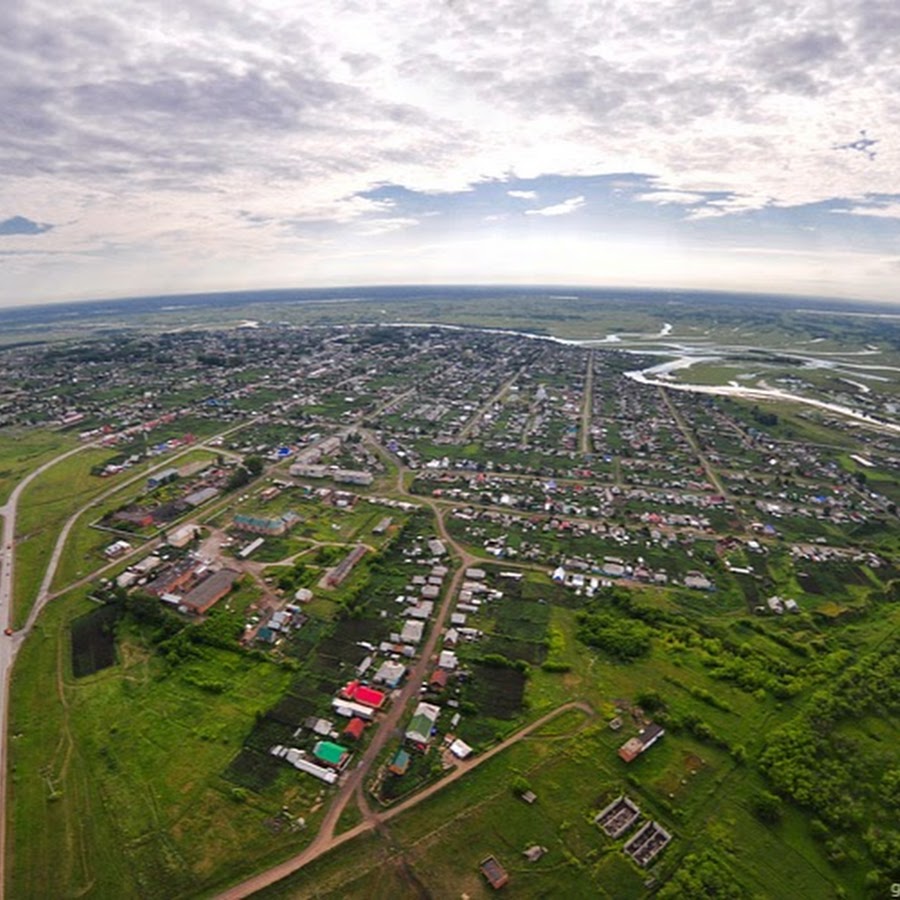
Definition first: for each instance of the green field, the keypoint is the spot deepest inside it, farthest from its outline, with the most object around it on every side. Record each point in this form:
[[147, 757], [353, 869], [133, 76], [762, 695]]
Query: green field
[[133, 757], [23, 450]]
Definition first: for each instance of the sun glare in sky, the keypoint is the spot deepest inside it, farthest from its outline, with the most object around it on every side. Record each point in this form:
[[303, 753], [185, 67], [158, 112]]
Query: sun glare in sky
[[157, 147]]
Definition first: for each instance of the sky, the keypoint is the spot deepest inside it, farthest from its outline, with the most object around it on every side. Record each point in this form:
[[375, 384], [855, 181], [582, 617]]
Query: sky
[[169, 146]]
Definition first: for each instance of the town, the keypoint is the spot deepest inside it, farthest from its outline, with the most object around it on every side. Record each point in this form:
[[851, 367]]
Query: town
[[364, 576]]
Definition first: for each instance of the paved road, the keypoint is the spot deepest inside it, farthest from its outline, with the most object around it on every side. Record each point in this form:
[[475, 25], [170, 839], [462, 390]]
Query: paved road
[[9, 644]]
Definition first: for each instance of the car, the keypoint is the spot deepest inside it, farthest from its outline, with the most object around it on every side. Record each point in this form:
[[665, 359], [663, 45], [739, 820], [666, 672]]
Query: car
[[7, 631]]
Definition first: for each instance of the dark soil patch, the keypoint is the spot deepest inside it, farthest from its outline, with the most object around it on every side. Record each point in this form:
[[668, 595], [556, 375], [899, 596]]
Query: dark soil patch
[[498, 693], [94, 641], [253, 770]]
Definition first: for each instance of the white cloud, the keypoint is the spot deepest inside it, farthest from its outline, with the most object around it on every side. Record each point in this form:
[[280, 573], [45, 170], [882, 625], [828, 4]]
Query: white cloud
[[881, 211], [558, 209], [678, 198], [383, 226], [149, 125]]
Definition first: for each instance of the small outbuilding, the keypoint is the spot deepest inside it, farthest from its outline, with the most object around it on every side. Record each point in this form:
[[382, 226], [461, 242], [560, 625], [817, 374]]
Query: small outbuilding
[[495, 874]]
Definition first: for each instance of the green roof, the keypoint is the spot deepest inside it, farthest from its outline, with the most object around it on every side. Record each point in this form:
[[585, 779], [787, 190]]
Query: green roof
[[420, 726], [329, 752]]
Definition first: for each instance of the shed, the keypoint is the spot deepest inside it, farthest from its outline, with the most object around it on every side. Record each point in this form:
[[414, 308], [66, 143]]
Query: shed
[[495, 874]]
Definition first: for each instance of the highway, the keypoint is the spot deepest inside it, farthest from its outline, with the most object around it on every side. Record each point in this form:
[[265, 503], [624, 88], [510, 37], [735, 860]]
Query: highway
[[9, 645]]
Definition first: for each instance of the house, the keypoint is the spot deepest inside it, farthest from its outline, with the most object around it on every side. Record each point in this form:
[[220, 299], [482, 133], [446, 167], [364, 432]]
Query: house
[[495, 874], [367, 696], [198, 498], [349, 476], [438, 680], [355, 728], [448, 660], [412, 631], [390, 673], [262, 525], [127, 579], [423, 721], [460, 749], [251, 548], [320, 726], [161, 478], [116, 549], [181, 537], [383, 525], [637, 745], [422, 610], [308, 470], [697, 581], [400, 763], [436, 547], [332, 755], [345, 566], [293, 756], [348, 709]]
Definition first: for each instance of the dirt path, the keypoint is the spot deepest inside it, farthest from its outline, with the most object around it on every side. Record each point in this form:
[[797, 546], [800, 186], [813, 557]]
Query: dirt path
[[352, 786], [496, 397], [322, 844], [587, 407]]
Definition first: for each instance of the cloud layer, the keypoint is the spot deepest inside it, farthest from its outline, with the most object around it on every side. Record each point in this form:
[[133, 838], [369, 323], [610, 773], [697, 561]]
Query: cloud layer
[[243, 143]]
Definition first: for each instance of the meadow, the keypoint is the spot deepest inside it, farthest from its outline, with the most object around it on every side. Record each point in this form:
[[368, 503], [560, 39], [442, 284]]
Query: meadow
[[134, 757]]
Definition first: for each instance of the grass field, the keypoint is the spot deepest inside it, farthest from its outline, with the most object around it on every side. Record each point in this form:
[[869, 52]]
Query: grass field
[[434, 849], [44, 507], [132, 757], [23, 450]]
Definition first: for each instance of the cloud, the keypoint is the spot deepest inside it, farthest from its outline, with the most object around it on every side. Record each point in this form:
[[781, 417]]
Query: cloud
[[881, 211], [558, 209], [21, 225], [679, 198], [148, 125], [384, 226]]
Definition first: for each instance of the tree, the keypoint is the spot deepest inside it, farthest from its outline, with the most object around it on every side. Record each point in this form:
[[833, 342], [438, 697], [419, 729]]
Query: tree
[[767, 807], [520, 785], [254, 465]]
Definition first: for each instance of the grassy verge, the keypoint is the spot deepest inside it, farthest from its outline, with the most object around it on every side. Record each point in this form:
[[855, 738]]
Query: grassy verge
[[23, 450]]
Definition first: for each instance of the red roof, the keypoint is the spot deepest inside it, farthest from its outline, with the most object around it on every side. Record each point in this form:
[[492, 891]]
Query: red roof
[[365, 695], [355, 728]]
